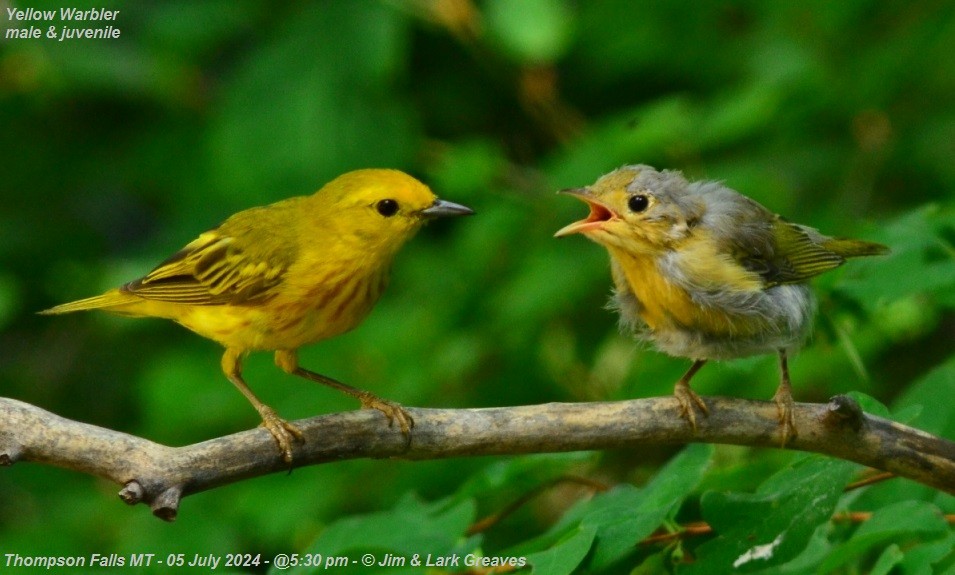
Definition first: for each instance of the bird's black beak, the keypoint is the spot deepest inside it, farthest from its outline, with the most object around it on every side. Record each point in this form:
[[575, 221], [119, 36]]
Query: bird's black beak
[[443, 209]]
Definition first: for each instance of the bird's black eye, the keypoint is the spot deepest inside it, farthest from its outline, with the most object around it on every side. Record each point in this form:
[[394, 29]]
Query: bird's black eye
[[387, 208], [638, 203]]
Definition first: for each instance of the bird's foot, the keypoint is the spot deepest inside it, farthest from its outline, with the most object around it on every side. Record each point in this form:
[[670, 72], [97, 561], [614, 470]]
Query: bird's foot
[[282, 431], [784, 408], [689, 401], [393, 411]]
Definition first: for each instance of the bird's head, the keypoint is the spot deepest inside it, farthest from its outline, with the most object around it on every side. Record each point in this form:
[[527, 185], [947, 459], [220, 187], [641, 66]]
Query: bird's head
[[636, 208], [380, 207]]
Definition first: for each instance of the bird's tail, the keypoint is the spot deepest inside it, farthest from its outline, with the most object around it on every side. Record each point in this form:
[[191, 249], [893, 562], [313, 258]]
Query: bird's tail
[[106, 301], [854, 248]]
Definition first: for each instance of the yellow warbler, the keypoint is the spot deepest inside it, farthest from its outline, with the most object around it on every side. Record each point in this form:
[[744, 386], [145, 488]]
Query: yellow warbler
[[285, 275], [706, 273]]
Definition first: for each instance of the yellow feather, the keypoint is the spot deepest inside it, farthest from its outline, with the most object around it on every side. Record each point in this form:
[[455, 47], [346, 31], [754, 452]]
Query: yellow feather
[[706, 273], [285, 275]]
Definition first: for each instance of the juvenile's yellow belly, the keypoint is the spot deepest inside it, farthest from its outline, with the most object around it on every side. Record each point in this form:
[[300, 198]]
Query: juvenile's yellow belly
[[664, 305], [708, 316]]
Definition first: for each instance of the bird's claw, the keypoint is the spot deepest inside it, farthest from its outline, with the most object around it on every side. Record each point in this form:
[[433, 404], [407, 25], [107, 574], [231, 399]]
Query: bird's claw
[[785, 407], [393, 411], [688, 399], [282, 431]]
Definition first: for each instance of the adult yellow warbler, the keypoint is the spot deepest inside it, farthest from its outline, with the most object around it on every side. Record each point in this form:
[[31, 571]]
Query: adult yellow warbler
[[706, 273], [285, 275]]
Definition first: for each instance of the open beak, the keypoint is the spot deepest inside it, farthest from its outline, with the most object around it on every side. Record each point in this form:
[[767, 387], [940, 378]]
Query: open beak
[[443, 209], [599, 214]]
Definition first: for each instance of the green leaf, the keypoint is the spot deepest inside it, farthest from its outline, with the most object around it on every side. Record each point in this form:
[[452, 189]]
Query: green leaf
[[891, 557], [933, 415], [564, 556], [896, 523], [870, 404], [411, 527], [816, 550], [621, 527], [921, 254], [923, 558], [520, 473], [937, 415], [774, 525], [655, 564], [624, 515]]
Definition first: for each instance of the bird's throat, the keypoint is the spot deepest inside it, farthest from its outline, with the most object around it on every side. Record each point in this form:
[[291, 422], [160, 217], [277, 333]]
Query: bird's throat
[[660, 302]]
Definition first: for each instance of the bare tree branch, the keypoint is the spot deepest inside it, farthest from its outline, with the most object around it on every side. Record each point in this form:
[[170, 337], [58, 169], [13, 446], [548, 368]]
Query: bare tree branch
[[161, 475]]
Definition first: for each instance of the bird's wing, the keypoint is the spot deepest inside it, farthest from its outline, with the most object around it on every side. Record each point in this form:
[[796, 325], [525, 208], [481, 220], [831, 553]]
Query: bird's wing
[[216, 268], [792, 254]]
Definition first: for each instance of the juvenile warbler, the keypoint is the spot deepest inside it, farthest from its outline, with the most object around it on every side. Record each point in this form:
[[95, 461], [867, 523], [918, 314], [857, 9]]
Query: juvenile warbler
[[706, 273], [285, 275]]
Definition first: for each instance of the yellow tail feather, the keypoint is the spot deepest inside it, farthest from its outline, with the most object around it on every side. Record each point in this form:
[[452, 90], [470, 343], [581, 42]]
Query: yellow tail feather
[[109, 299], [854, 248]]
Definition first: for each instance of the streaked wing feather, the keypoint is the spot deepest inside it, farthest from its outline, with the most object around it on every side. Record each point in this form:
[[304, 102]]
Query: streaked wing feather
[[210, 270], [798, 256]]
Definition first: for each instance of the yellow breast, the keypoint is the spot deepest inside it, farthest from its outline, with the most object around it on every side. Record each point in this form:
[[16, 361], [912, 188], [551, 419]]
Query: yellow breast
[[295, 318], [665, 300]]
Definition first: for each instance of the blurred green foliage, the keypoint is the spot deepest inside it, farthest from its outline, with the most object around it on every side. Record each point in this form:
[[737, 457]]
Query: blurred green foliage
[[115, 153]]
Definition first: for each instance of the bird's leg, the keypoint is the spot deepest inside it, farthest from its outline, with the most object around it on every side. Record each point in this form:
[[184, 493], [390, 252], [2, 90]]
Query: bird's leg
[[283, 431], [784, 400], [287, 360], [687, 397]]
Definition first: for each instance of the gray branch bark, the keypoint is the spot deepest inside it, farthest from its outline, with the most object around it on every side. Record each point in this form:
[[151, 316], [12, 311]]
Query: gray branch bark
[[161, 476]]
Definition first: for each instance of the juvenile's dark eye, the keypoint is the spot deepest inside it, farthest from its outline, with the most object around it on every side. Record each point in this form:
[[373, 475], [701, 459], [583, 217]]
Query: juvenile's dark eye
[[387, 208], [638, 203]]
